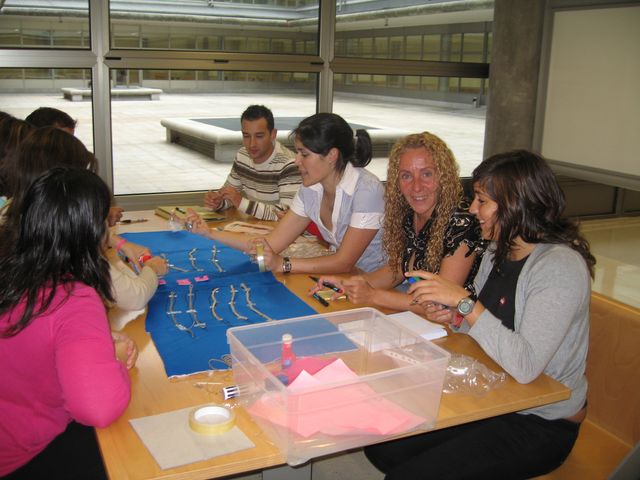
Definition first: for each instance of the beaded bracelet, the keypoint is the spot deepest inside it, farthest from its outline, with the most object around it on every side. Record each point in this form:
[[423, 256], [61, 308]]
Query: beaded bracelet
[[120, 244]]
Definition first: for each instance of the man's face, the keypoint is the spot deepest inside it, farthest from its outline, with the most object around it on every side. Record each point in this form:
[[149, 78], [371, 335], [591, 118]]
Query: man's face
[[257, 139]]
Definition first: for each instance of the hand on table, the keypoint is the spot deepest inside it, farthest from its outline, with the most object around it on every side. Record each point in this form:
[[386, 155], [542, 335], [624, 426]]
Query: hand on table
[[213, 199], [158, 265], [435, 312], [114, 216], [281, 213], [356, 288], [133, 252], [126, 349], [231, 194], [272, 261], [196, 224], [433, 289]]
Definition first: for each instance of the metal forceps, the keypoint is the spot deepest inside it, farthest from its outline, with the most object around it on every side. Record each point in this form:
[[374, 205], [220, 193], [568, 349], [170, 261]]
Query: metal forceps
[[171, 265], [214, 304], [192, 311], [172, 314], [251, 305], [214, 259], [192, 259], [232, 304]]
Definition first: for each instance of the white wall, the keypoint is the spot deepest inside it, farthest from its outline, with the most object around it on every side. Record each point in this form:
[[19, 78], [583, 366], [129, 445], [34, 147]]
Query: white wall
[[592, 108]]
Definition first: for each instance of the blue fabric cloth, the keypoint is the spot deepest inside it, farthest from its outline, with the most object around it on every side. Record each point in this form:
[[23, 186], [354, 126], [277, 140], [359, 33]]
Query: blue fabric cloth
[[176, 247], [181, 353]]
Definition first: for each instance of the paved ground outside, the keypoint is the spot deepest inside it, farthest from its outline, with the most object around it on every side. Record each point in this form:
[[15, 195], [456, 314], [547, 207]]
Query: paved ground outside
[[145, 163]]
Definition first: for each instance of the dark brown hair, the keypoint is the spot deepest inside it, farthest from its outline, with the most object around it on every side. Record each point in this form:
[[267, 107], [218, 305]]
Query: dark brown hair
[[530, 203], [323, 131]]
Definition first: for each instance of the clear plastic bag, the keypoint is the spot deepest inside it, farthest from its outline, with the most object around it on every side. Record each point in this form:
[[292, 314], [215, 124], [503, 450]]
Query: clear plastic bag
[[469, 376]]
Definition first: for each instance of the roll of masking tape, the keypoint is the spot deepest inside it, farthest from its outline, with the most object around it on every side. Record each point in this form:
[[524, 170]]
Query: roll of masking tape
[[260, 256], [211, 420]]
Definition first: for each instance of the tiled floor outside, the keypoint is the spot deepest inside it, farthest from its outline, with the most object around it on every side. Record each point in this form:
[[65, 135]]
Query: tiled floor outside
[[145, 163]]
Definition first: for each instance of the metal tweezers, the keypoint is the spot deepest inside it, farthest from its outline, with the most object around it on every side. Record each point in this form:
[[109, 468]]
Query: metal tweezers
[[251, 305], [232, 304], [214, 259], [214, 302], [193, 311], [172, 314], [192, 259], [171, 265]]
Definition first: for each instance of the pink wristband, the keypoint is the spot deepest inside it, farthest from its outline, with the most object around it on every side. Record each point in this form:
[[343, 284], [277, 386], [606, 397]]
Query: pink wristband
[[120, 244]]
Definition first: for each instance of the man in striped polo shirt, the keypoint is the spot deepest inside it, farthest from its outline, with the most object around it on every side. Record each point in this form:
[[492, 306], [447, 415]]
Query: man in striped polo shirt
[[263, 178]]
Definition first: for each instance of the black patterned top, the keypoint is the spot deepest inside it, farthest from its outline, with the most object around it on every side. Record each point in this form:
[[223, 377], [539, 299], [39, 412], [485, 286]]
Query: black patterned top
[[463, 227]]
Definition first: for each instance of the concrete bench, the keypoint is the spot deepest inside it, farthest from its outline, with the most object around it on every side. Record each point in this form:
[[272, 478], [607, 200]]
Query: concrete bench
[[221, 144], [78, 94], [612, 426]]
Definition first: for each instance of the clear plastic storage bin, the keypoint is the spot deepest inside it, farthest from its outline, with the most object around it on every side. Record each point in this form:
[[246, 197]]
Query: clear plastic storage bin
[[367, 379]]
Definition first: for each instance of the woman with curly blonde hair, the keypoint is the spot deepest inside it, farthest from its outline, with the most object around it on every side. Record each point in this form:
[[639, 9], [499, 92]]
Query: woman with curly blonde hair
[[426, 226]]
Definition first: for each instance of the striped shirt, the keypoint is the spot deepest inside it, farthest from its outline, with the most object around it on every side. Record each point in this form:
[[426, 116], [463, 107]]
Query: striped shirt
[[266, 187]]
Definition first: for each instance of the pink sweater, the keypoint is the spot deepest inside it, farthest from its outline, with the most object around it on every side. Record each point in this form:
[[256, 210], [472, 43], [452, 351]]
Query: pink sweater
[[62, 367]]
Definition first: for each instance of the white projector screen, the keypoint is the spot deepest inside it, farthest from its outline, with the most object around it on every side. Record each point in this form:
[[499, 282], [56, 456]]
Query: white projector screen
[[591, 125]]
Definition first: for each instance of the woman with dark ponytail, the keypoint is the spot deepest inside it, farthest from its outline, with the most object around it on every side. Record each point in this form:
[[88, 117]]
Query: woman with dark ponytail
[[343, 199]]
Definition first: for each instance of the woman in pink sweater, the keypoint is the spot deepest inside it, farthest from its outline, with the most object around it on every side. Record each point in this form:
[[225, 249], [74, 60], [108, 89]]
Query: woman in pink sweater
[[57, 355]]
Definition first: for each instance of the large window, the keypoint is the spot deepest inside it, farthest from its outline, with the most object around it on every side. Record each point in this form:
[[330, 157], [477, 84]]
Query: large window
[[390, 73], [391, 117], [44, 24], [387, 65], [22, 90], [186, 140], [282, 27]]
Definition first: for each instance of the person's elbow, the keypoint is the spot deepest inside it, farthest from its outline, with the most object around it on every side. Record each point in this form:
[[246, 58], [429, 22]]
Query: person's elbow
[[101, 413], [524, 378], [523, 374]]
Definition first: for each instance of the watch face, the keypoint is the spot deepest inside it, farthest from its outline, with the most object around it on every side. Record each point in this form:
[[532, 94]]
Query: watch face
[[465, 306]]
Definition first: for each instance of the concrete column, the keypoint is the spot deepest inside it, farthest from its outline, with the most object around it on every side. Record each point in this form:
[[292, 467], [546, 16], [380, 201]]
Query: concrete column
[[513, 77]]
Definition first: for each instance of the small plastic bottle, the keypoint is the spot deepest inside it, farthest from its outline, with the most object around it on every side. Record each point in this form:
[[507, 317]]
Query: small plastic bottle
[[287, 350]]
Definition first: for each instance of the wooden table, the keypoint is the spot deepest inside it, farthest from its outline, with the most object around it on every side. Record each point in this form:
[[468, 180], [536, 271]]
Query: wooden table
[[125, 456]]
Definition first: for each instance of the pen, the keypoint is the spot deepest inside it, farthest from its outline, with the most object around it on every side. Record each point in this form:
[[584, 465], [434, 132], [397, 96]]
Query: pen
[[132, 220], [180, 210], [321, 300], [326, 284]]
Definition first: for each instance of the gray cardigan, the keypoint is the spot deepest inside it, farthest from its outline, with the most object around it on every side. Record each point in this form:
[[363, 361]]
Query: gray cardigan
[[551, 324]]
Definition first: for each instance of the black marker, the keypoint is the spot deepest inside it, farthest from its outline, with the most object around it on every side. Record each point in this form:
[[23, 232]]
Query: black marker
[[132, 220], [321, 300], [326, 284]]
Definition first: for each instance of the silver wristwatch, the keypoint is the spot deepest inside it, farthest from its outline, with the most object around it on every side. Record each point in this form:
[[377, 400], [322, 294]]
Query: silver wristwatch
[[465, 306]]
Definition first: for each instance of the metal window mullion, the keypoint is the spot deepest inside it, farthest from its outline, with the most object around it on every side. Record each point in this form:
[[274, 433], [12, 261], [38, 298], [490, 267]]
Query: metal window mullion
[[326, 43], [101, 91]]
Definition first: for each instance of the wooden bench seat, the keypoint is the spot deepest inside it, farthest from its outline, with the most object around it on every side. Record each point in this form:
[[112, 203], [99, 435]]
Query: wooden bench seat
[[612, 426]]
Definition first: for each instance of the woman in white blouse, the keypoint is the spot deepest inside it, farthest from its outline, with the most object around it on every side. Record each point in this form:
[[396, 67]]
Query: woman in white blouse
[[343, 199]]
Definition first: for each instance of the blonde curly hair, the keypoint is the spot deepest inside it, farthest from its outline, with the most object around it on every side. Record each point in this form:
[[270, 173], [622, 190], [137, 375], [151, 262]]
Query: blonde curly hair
[[449, 195]]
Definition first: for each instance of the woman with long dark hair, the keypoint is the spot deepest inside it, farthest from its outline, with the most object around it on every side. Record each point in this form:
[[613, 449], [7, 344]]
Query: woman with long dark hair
[[531, 316], [49, 147], [56, 350], [343, 199]]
